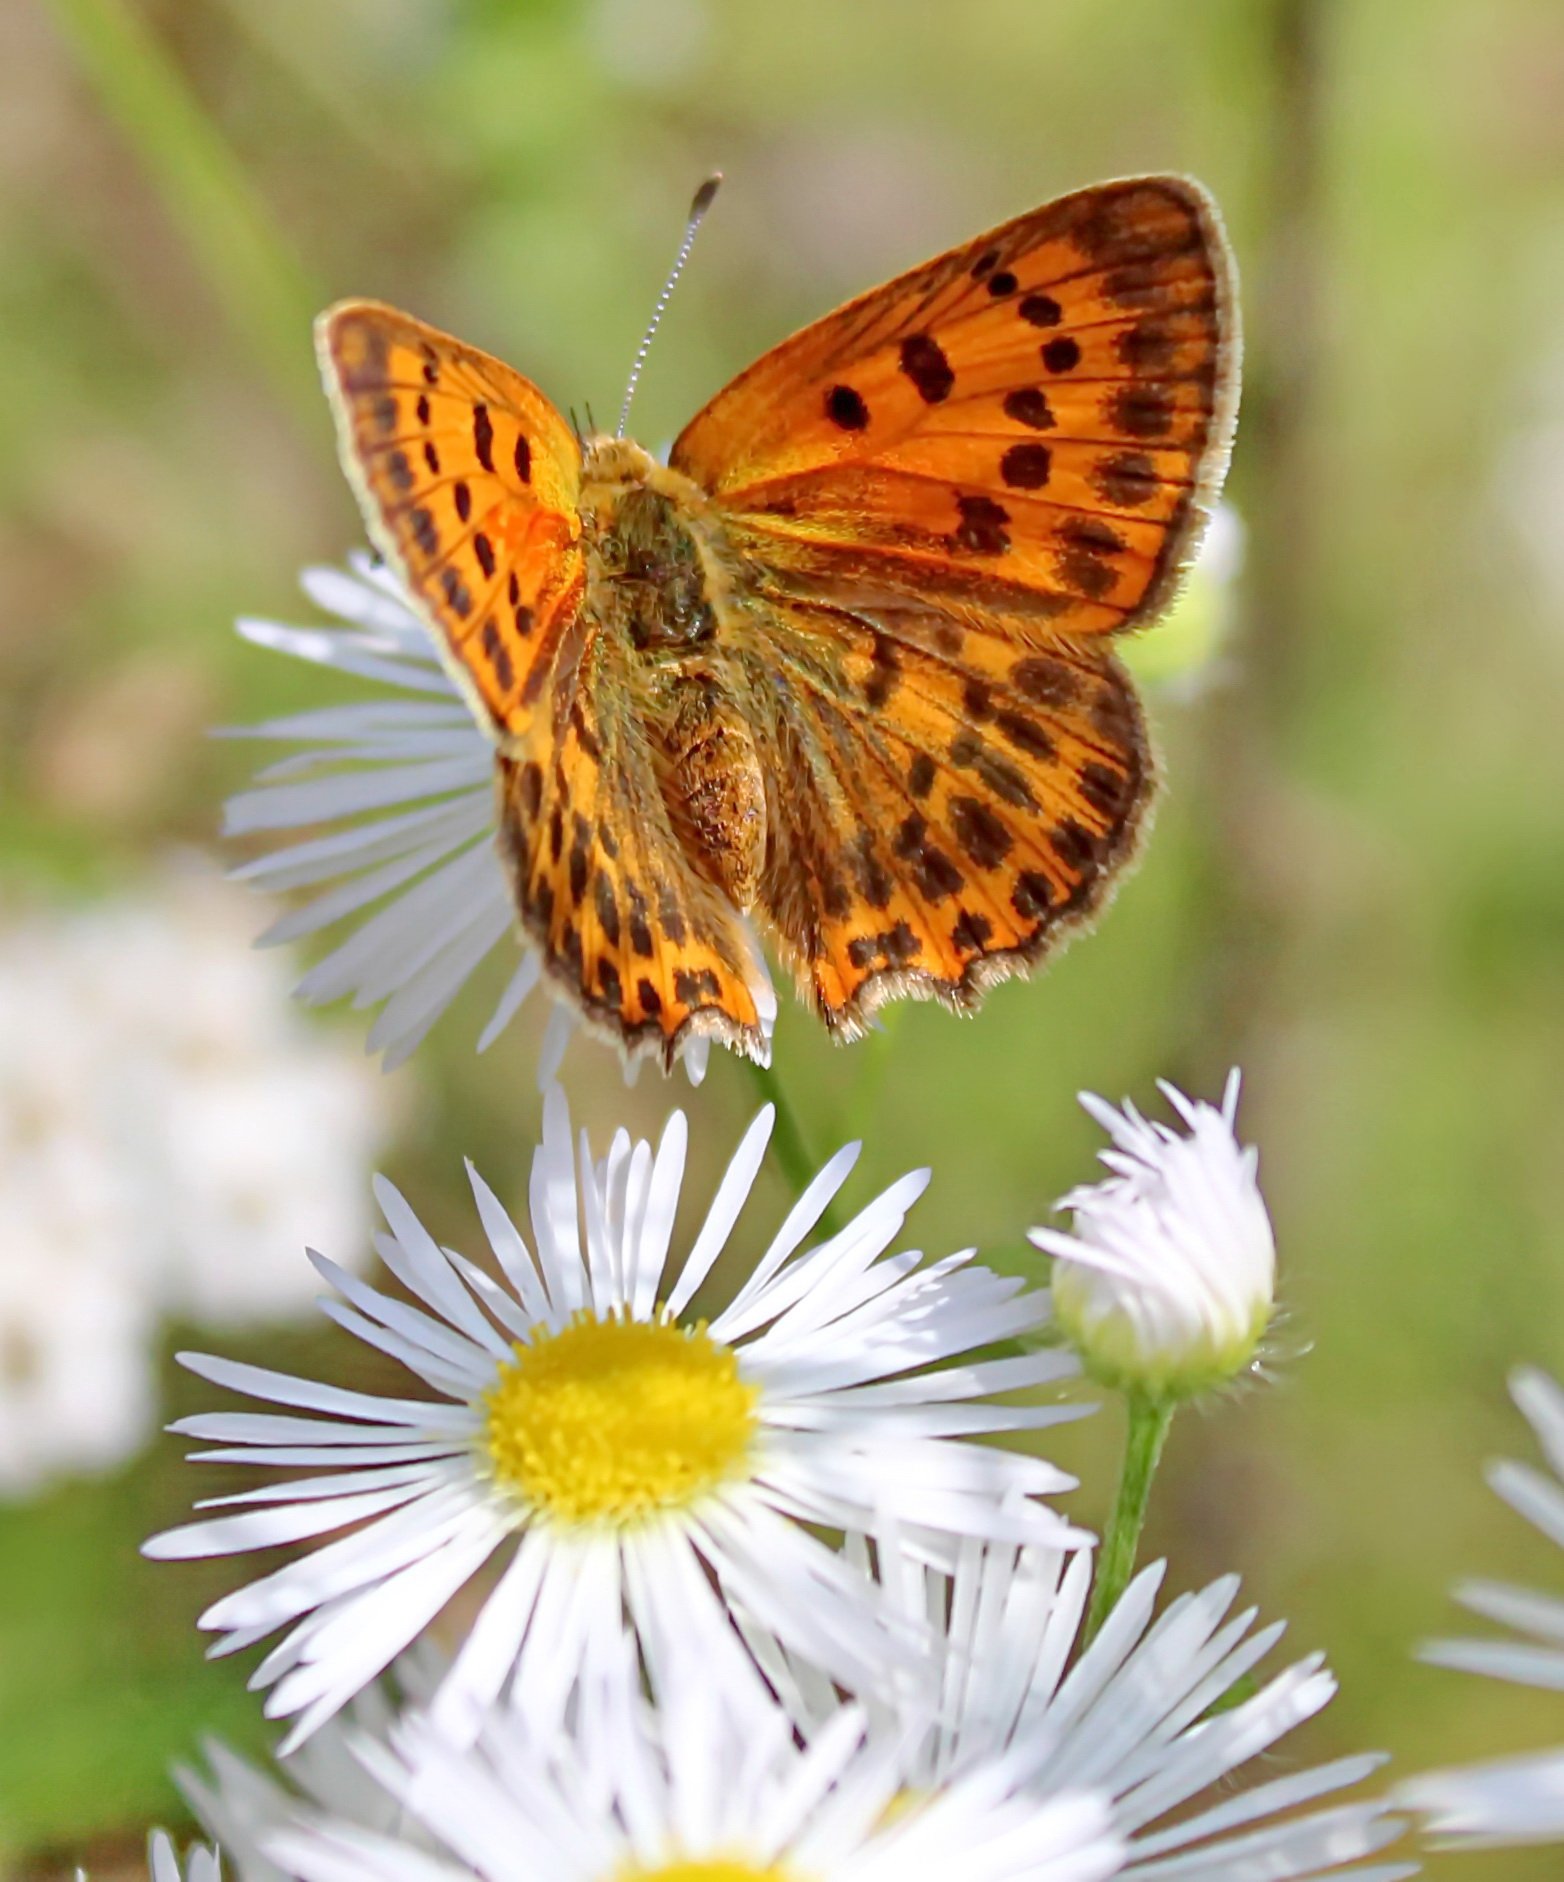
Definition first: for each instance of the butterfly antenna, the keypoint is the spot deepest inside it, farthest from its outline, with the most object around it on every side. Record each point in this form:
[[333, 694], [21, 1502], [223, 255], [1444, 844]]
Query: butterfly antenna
[[705, 196]]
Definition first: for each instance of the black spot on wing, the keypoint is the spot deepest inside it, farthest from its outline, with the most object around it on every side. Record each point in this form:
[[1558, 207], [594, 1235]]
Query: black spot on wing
[[498, 656], [845, 409], [425, 534], [1049, 682], [982, 526], [972, 930], [457, 595], [483, 435], [1040, 310], [1026, 466], [923, 362], [1127, 479], [1141, 411], [884, 673], [873, 879], [1028, 405], [693, 988]]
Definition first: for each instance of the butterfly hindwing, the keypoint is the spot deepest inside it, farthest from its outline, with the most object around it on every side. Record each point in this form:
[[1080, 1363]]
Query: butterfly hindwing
[[950, 806], [1029, 424], [651, 952], [468, 479]]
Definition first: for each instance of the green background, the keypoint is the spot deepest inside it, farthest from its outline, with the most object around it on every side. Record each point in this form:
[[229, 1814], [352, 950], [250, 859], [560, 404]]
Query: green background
[[1356, 885]]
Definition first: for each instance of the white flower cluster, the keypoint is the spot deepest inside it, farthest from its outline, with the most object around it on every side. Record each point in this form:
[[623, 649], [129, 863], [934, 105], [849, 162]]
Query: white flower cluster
[[666, 1669], [170, 1134]]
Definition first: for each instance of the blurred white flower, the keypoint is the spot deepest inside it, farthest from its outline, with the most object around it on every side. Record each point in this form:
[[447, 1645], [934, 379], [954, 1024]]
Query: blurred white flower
[[1146, 1715], [1167, 1284], [171, 1132], [1186, 655], [77, 1391], [618, 1450], [407, 786], [163, 1864], [241, 1804], [692, 1792], [1510, 1800], [1526, 492]]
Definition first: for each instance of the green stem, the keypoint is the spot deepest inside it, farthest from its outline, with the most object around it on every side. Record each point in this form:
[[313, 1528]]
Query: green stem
[[788, 1143], [1149, 1420]]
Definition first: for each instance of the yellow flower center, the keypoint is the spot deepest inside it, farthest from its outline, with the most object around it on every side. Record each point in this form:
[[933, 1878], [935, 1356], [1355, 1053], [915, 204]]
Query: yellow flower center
[[712, 1869], [610, 1421], [903, 1804]]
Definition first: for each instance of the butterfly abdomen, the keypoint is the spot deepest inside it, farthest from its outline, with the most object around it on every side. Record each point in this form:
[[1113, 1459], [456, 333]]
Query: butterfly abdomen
[[712, 782]]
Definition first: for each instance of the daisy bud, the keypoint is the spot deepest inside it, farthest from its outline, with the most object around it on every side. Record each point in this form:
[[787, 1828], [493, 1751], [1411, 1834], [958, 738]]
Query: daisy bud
[[1166, 1286]]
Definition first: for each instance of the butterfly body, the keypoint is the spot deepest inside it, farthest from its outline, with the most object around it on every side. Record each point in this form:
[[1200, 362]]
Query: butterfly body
[[843, 661], [661, 580]]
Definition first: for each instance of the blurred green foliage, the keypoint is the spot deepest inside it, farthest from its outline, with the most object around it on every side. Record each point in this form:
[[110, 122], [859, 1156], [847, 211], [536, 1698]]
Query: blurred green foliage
[[1356, 885]]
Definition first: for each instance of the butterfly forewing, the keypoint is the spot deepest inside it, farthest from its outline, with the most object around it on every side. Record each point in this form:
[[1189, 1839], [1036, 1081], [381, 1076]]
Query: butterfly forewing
[[1029, 423], [468, 479]]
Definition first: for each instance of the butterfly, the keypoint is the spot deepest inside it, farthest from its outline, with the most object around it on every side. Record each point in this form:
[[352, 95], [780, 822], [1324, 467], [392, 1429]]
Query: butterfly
[[844, 664]]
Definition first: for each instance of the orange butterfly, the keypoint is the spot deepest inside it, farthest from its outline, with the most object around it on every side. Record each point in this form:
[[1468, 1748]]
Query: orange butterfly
[[844, 661]]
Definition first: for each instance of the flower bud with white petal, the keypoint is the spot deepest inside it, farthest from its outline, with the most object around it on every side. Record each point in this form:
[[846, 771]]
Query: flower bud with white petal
[[1166, 1286]]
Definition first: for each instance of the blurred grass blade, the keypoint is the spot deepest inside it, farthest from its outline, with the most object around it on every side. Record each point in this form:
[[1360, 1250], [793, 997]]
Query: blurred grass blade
[[280, 32], [222, 219]]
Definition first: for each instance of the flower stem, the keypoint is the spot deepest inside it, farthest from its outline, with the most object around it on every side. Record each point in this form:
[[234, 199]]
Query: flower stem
[[1149, 1419], [788, 1142]]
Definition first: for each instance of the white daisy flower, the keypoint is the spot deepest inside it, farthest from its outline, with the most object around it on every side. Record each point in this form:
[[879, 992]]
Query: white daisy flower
[[1147, 1714], [1167, 1284], [691, 1793], [408, 784], [163, 1865], [1510, 1800], [241, 1804], [619, 1451]]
